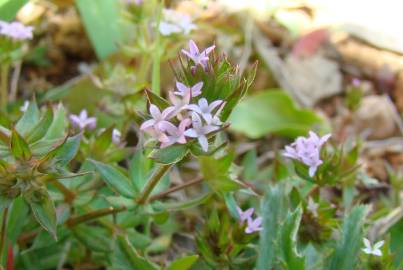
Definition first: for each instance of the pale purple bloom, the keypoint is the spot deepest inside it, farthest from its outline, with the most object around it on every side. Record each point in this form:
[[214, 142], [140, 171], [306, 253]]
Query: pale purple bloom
[[116, 136], [356, 82], [179, 103], [184, 90], [245, 215], [200, 131], [174, 134], [375, 249], [175, 22], [153, 126], [16, 30], [82, 120], [254, 225], [198, 58], [25, 106], [204, 109], [307, 151]]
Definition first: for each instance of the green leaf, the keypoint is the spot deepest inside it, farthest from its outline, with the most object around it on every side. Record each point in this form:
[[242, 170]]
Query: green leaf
[[126, 257], [41, 128], [183, 263], [152, 98], [218, 175], [231, 204], [103, 24], [29, 119], [115, 179], [95, 238], [9, 8], [17, 218], [271, 112], [140, 168], [169, 155], [178, 206], [102, 142], [45, 213], [396, 240], [68, 150], [19, 147], [348, 247], [5, 202], [273, 211], [288, 243], [59, 124]]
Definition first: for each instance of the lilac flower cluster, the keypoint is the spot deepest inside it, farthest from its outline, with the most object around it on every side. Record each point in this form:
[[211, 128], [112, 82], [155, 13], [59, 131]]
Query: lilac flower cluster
[[253, 225], [194, 120], [307, 151], [82, 121], [198, 58], [16, 30]]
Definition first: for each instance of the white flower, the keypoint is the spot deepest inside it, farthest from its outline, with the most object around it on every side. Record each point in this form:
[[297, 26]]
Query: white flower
[[175, 22], [205, 110], [116, 136], [375, 250], [199, 131], [24, 107]]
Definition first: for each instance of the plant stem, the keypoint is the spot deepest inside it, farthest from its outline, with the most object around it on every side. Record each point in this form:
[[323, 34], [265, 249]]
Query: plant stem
[[174, 189], [4, 84], [155, 80], [152, 182], [71, 222], [3, 232], [68, 194]]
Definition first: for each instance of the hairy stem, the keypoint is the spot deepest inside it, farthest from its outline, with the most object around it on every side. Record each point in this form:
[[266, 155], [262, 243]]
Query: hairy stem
[[152, 182], [74, 221], [4, 84], [3, 232], [174, 189]]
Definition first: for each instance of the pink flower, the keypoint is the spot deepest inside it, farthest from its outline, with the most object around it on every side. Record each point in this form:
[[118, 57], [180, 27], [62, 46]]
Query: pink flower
[[254, 225], [153, 126], [174, 134], [307, 151], [184, 90], [179, 104], [204, 109], [16, 30], [245, 215], [82, 120], [199, 131], [198, 58]]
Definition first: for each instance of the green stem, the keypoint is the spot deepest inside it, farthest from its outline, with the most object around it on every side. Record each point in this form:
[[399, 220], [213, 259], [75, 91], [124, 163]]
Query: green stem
[[3, 232], [155, 82], [174, 189], [4, 84], [152, 182], [71, 222]]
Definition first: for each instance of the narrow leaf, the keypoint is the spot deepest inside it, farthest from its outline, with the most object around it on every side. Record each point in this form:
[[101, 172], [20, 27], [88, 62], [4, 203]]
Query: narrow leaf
[[183, 263], [169, 155], [45, 213], [19, 147], [40, 129], [29, 119]]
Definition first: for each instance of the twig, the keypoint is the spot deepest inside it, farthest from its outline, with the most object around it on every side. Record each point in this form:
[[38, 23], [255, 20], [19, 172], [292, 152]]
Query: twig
[[174, 189], [3, 231], [152, 182], [14, 80], [4, 84], [74, 221]]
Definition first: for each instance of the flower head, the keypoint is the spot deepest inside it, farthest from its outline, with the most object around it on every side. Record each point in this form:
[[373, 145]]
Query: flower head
[[153, 126], [200, 131], [175, 22], [82, 120], [174, 134], [254, 225], [16, 30], [375, 249], [179, 103], [198, 58], [205, 109], [307, 151], [183, 90], [245, 215]]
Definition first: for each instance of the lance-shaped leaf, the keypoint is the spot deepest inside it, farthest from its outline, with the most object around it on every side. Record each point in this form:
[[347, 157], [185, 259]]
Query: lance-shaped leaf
[[59, 124], [95, 238], [348, 247], [183, 263], [115, 179], [169, 155], [68, 150], [152, 98], [40, 129], [45, 213], [140, 169], [18, 217], [125, 256], [102, 142], [29, 119], [19, 147]]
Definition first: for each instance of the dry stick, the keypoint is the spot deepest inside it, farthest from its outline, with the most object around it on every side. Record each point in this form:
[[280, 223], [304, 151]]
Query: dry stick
[[152, 182], [3, 231], [71, 222], [14, 81], [68, 194], [173, 189]]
